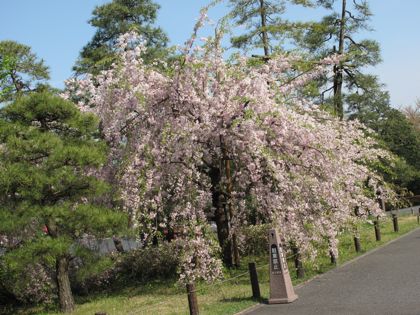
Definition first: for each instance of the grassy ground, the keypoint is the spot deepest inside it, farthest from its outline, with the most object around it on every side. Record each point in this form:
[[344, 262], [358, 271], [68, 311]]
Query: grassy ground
[[231, 295]]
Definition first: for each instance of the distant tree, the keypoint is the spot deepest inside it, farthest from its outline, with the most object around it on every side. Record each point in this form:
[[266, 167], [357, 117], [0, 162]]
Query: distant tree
[[337, 33], [20, 70], [48, 155], [396, 132], [371, 106], [111, 21], [413, 114]]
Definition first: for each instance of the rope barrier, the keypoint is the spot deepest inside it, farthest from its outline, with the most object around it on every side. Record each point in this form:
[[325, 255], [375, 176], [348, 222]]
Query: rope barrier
[[221, 282], [237, 276], [209, 286]]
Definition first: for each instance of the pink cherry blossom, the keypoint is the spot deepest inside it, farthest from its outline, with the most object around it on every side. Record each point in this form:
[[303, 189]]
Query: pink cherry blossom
[[299, 168]]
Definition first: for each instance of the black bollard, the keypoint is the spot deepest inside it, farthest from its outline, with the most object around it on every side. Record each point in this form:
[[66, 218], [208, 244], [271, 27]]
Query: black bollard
[[357, 244], [254, 280], [395, 222], [377, 230]]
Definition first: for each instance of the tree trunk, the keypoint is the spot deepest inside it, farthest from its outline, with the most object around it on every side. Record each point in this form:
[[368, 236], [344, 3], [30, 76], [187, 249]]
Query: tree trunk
[[118, 244], [221, 218], [300, 271], [264, 29], [338, 70], [333, 258], [65, 295], [235, 249]]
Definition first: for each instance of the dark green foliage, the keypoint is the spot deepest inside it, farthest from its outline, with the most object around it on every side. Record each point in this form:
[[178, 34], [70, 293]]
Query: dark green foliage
[[150, 263], [35, 285], [143, 265], [113, 20], [254, 240], [20, 70], [394, 130], [48, 149]]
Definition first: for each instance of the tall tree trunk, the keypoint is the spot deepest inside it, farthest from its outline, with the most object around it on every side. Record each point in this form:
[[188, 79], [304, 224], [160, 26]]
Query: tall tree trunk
[[221, 217], [264, 28], [338, 70], [65, 295], [236, 259], [227, 170]]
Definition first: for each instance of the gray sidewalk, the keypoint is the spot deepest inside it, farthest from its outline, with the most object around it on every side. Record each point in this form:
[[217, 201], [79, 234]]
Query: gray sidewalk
[[386, 281]]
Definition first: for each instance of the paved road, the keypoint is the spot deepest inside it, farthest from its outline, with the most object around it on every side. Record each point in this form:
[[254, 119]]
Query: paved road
[[386, 281]]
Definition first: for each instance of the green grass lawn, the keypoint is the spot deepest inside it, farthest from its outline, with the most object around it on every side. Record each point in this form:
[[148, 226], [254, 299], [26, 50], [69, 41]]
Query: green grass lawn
[[231, 295]]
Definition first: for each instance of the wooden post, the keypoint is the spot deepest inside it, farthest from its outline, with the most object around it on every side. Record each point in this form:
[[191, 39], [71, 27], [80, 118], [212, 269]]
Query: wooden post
[[418, 217], [254, 280], [357, 244], [300, 272], [395, 222], [192, 299], [377, 230]]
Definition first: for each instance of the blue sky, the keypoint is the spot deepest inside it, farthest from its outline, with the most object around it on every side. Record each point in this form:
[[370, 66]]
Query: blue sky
[[57, 30]]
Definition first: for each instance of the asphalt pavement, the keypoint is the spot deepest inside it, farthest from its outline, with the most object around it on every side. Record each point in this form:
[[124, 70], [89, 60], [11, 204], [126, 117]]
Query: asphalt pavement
[[384, 281]]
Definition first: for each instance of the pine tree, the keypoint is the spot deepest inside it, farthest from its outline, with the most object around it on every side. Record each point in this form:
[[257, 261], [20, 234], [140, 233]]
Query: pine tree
[[113, 20], [267, 29], [336, 33], [20, 70], [48, 151]]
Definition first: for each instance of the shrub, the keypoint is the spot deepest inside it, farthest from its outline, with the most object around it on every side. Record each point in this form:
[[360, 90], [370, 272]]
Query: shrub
[[33, 286], [140, 265], [254, 240], [150, 263]]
